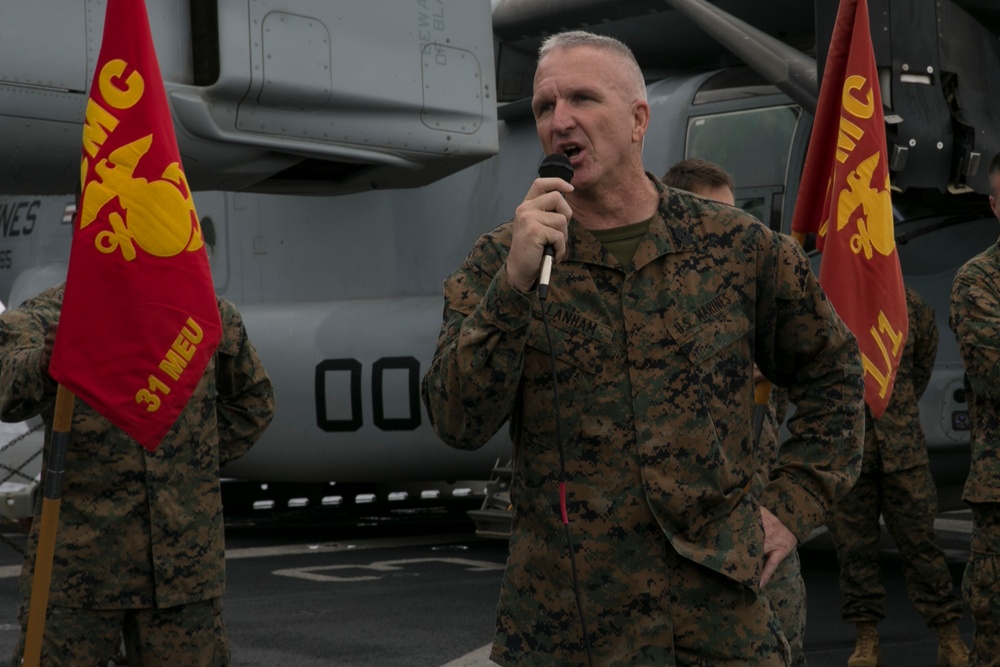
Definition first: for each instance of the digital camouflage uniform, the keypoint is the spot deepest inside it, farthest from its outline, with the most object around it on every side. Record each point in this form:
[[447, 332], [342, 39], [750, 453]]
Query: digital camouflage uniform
[[787, 589], [896, 483], [975, 319], [138, 530], [655, 394]]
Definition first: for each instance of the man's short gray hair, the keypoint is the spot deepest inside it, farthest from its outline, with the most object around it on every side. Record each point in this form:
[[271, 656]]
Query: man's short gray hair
[[574, 38]]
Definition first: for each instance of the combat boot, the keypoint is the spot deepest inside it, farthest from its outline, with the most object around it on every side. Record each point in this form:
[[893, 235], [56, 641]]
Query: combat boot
[[867, 653], [952, 651]]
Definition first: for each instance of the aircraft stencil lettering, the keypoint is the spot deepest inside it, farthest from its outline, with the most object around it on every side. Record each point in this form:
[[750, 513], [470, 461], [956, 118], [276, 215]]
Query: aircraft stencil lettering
[[18, 217]]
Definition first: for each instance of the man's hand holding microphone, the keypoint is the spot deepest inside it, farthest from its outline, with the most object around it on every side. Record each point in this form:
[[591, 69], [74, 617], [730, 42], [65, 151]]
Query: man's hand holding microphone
[[541, 225]]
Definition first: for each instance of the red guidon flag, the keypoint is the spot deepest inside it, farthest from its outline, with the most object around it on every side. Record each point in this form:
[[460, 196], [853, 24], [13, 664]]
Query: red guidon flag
[[844, 199], [139, 319]]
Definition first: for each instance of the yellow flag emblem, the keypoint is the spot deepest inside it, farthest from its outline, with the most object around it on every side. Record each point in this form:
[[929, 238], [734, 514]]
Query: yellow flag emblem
[[159, 215]]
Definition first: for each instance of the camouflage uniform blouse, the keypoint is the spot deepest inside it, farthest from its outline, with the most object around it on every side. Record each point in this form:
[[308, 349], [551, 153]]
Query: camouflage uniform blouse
[[896, 441], [138, 529], [975, 319], [655, 393]]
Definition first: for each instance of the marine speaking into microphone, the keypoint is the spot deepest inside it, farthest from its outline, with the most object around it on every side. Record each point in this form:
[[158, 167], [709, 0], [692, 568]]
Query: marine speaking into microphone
[[555, 165]]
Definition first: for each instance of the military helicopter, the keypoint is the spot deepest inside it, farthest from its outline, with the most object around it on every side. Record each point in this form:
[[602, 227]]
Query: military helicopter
[[346, 156]]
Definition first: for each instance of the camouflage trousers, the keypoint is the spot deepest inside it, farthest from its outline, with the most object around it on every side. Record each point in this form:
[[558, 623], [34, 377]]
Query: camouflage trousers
[[981, 585], [192, 635], [907, 501], [718, 622], [690, 616], [787, 592]]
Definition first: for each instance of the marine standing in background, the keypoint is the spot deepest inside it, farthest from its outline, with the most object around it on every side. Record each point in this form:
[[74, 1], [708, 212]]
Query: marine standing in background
[[975, 319], [140, 550], [787, 588], [896, 484], [659, 305]]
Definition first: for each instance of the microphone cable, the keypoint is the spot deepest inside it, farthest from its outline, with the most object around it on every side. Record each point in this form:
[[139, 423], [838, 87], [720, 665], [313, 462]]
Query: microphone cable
[[558, 165], [563, 512]]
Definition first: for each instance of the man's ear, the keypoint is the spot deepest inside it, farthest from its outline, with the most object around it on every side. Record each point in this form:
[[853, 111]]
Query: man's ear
[[640, 115]]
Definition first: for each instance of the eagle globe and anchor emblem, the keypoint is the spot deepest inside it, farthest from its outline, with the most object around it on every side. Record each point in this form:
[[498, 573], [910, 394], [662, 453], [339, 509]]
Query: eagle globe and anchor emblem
[[159, 214], [874, 224]]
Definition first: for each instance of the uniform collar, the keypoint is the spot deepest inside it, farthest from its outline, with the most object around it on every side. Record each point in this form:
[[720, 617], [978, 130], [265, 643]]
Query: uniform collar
[[661, 238]]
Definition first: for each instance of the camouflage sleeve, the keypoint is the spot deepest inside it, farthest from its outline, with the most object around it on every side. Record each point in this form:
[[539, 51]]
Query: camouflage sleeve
[[471, 385], [925, 342], [245, 405], [769, 440], [25, 391], [805, 346], [975, 319]]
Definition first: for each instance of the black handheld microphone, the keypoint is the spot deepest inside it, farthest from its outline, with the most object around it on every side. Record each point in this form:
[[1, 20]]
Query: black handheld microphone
[[552, 166]]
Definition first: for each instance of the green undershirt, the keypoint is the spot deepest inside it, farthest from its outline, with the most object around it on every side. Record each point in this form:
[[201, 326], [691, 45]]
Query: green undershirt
[[622, 241]]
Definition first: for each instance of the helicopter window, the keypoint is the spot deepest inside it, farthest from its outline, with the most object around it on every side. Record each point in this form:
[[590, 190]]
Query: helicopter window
[[755, 206], [751, 144], [733, 83], [763, 203]]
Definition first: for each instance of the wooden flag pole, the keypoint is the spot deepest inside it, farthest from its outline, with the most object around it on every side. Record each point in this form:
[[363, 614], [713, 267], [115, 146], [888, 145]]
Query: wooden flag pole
[[55, 465]]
